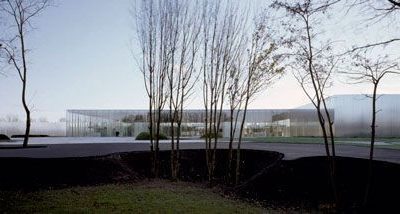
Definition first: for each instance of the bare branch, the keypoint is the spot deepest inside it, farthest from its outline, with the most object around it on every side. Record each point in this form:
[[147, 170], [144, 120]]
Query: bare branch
[[20, 12], [372, 45]]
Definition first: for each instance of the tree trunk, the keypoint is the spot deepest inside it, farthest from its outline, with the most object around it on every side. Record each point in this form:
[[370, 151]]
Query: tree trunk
[[230, 147], [28, 115], [371, 151], [330, 123], [178, 136], [24, 80], [237, 171], [231, 133], [319, 97], [329, 157], [28, 127], [153, 166], [173, 176], [157, 147]]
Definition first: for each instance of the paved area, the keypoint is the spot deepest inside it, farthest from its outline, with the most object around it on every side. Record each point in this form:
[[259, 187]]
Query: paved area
[[86, 147]]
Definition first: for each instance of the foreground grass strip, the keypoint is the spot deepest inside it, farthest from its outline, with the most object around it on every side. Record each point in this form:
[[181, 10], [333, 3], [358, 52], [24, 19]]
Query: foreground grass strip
[[133, 198]]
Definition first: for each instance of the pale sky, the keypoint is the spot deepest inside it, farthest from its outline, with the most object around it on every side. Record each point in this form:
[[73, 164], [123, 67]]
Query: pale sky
[[81, 58]]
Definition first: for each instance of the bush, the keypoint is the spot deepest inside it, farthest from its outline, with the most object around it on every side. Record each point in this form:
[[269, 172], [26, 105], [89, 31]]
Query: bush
[[212, 135], [4, 138], [146, 136]]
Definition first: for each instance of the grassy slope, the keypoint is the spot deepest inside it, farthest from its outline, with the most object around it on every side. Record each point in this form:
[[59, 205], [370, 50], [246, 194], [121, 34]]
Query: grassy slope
[[156, 197]]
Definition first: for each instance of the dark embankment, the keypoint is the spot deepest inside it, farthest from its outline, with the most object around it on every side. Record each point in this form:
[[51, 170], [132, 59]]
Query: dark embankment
[[133, 166], [305, 182], [265, 177]]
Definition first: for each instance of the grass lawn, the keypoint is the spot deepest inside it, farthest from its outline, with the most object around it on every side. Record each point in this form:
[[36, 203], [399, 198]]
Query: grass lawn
[[392, 143], [285, 139], [149, 197]]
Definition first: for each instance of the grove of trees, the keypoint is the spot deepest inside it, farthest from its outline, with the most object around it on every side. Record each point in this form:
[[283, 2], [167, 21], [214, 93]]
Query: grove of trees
[[181, 45], [234, 54], [229, 53]]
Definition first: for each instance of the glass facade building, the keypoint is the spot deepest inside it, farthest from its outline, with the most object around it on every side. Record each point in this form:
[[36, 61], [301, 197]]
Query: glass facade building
[[351, 114], [265, 122]]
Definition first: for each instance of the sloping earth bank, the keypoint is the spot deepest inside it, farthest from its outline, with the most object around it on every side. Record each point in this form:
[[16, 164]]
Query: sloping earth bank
[[265, 176]]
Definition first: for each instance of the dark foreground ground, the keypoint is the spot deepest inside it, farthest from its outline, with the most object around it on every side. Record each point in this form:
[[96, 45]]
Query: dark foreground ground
[[266, 178]]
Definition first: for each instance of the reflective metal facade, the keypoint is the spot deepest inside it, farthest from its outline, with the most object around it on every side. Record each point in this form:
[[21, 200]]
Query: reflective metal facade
[[353, 115]]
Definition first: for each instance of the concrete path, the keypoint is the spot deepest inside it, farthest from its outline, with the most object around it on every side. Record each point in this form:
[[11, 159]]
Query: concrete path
[[86, 147]]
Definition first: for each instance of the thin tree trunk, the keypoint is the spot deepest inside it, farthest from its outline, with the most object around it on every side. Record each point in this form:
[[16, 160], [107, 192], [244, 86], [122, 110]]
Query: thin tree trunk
[[330, 123], [319, 97], [27, 111], [231, 137], [215, 137], [371, 151], [173, 176], [230, 147], [179, 131], [157, 149], [330, 160], [172, 118], [153, 166], [177, 161], [28, 115], [237, 174]]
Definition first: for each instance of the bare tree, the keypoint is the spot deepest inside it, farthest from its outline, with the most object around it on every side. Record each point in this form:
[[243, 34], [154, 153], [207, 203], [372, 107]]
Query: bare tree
[[236, 82], [262, 68], [221, 43], [3, 61], [183, 42], [383, 12], [312, 62], [20, 13], [152, 28], [145, 26], [369, 70], [235, 93]]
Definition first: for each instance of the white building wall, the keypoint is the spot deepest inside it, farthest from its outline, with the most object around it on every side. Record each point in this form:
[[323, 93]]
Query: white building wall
[[353, 115]]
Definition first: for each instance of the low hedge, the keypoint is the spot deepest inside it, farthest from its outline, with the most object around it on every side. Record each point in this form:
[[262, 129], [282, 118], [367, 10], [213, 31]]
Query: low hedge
[[146, 136], [31, 135], [4, 138], [212, 135]]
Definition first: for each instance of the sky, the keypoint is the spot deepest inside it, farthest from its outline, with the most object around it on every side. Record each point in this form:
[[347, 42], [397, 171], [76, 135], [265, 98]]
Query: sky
[[81, 57]]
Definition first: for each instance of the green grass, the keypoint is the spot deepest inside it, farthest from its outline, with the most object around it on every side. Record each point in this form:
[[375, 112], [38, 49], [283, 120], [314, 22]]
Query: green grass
[[286, 139], [392, 143], [156, 197], [392, 146]]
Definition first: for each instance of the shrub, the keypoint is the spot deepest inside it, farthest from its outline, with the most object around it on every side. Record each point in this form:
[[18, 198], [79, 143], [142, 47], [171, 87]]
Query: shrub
[[212, 135], [4, 138], [31, 135], [146, 136]]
